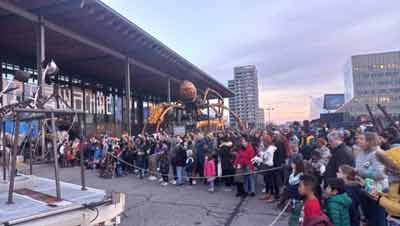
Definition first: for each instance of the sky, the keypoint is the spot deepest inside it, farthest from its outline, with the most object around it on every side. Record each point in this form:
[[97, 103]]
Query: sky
[[299, 47]]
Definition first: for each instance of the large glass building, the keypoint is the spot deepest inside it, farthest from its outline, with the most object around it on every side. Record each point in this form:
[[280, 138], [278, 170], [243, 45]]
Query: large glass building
[[110, 69], [372, 79]]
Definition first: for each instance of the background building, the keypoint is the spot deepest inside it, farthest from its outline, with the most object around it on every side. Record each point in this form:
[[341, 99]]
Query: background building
[[245, 101], [261, 118], [113, 72], [372, 79], [316, 107]]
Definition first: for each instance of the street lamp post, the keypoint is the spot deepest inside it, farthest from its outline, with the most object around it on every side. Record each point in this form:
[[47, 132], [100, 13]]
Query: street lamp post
[[269, 109]]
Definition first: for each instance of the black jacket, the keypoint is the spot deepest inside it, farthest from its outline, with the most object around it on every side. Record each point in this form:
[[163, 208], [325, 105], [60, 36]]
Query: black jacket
[[340, 155], [280, 154], [355, 192], [227, 158], [180, 159], [164, 166]]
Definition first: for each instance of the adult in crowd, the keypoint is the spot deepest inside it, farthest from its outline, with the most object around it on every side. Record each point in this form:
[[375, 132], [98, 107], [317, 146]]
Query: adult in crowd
[[371, 169], [279, 160], [341, 154], [180, 163], [266, 162], [243, 160], [227, 157]]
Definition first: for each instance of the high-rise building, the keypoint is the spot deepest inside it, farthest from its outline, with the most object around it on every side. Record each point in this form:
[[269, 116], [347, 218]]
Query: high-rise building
[[245, 101], [260, 118], [372, 79]]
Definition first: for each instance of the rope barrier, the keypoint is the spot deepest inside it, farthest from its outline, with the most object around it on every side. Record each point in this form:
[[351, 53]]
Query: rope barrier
[[191, 177], [279, 215]]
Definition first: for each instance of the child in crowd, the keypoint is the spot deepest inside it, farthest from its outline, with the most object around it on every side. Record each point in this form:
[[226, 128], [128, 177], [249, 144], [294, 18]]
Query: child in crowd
[[354, 190], [338, 204], [318, 166], [189, 165], [294, 180], [209, 172], [311, 214], [164, 167], [71, 158], [292, 190]]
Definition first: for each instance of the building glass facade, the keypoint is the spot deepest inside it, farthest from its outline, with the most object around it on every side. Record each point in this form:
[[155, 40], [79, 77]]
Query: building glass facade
[[373, 79], [245, 102], [103, 105]]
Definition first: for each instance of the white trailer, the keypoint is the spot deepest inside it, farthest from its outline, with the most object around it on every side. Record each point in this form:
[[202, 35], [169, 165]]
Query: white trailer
[[35, 204]]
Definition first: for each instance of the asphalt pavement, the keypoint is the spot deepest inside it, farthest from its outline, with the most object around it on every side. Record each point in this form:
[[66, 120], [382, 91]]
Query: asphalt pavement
[[149, 204]]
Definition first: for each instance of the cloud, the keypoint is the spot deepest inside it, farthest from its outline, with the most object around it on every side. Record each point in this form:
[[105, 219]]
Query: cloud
[[299, 47], [308, 55]]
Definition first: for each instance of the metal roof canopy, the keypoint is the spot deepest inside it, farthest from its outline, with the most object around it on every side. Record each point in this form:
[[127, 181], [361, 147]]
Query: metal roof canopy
[[89, 39]]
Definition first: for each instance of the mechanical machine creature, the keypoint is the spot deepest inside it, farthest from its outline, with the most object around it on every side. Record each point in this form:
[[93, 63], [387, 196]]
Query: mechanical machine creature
[[192, 107]]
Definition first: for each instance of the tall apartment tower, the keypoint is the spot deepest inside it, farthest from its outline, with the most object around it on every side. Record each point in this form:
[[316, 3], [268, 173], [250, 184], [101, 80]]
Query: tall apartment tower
[[245, 101], [372, 79]]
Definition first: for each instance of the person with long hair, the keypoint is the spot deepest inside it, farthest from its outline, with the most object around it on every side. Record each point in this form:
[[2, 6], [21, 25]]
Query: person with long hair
[[294, 179], [369, 168]]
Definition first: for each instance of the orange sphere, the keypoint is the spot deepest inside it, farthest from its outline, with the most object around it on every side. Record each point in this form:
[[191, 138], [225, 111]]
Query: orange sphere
[[188, 91]]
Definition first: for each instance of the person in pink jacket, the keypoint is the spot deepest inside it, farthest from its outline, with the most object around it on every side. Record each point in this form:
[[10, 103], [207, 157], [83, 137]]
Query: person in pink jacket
[[209, 172]]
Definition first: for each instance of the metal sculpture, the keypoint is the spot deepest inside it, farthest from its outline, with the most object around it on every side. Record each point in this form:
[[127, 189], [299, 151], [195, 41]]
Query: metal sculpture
[[33, 108], [192, 105]]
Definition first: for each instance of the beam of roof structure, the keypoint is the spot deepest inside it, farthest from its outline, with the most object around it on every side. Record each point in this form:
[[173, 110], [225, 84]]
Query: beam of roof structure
[[73, 35], [101, 31]]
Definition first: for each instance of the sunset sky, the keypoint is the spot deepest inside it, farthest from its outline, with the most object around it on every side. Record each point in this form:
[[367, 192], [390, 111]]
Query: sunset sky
[[299, 47]]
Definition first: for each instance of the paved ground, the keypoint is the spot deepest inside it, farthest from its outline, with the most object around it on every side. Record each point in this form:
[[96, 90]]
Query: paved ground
[[149, 204]]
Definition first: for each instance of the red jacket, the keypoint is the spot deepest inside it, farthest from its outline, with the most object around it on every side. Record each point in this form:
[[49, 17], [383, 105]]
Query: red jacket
[[209, 168], [244, 157]]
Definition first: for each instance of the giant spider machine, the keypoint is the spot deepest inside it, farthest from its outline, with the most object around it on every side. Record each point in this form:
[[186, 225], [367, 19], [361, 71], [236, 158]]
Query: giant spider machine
[[35, 201], [192, 107]]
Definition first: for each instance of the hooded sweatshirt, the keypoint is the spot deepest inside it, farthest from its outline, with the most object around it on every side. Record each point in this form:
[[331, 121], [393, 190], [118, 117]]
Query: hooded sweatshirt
[[391, 200], [338, 207]]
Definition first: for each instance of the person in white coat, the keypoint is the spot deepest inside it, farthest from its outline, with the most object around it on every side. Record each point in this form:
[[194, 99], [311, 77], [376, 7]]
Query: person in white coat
[[265, 160]]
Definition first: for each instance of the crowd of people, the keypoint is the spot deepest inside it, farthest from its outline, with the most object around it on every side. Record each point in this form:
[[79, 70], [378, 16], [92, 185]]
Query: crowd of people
[[322, 176]]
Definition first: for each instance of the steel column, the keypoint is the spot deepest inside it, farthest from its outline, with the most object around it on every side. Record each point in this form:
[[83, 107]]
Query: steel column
[[71, 85], [30, 148], [169, 90], [4, 151], [140, 111], [84, 106], [13, 162], [3, 132], [55, 154], [40, 52], [82, 149], [128, 96], [40, 57]]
